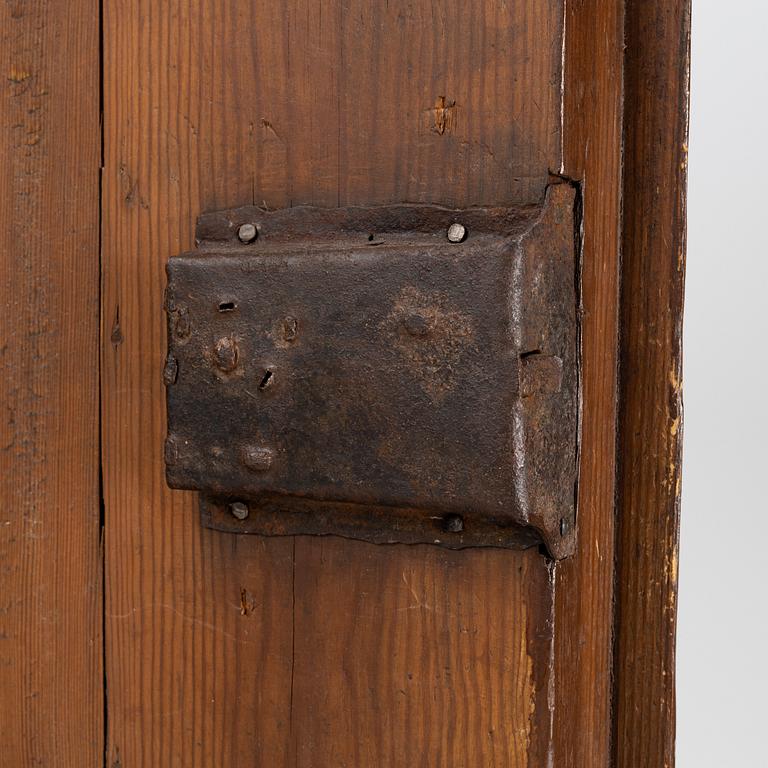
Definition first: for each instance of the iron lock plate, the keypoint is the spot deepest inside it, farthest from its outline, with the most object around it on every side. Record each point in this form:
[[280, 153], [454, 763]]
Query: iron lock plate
[[351, 371]]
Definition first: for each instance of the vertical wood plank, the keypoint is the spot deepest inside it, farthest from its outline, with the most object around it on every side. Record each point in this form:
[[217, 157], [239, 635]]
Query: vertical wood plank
[[411, 655], [50, 561], [454, 103], [224, 650], [584, 585], [198, 624], [650, 425], [420, 656]]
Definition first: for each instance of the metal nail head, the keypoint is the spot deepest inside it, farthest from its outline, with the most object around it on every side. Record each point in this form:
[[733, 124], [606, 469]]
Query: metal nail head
[[170, 370], [247, 233], [238, 510], [226, 354], [456, 232]]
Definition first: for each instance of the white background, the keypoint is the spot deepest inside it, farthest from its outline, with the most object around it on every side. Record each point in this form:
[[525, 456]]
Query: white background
[[722, 651]]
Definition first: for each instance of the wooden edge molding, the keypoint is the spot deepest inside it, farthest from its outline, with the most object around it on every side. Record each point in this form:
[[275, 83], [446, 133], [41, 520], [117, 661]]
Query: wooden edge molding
[[656, 78]]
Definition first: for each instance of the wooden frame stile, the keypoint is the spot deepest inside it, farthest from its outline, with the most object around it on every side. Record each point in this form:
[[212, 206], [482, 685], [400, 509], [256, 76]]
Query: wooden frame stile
[[656, 79], [584, 594]]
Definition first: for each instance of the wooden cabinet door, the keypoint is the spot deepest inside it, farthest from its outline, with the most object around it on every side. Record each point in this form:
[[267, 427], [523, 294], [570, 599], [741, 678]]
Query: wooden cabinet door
[[130, 635]]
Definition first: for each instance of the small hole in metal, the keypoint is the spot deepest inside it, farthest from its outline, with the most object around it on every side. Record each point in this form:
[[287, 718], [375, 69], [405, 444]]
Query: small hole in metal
[[227, 306], [370, 238], [453, 523], [266, 379]]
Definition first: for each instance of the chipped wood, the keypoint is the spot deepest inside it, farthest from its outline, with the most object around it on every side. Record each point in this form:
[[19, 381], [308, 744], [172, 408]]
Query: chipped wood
[[650, 416]]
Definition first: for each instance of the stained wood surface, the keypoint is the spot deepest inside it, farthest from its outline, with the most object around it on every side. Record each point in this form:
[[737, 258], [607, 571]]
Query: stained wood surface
[[419, 656], [225, 650], [650, 424], [584, 584], [50, 569]]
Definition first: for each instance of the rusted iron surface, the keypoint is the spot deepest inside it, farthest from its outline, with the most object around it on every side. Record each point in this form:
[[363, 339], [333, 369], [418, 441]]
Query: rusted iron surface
[[354, 372]]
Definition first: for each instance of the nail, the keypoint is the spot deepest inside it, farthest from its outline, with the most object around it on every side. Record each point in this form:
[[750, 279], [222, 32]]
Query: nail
[[226, 354], [456, 232], [247, 233], [239, 510]]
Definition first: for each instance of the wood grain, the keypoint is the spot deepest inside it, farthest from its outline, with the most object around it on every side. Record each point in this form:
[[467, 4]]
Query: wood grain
[[584, 585], [198, 625], [50, 563], [226, 650], [650, 422], [420, 656]]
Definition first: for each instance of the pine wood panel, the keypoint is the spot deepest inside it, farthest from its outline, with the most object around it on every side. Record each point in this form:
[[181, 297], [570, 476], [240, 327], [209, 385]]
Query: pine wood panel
[[420, 656], [224, 650], [50, 564], [650, 426], [584, 585], [198, 625]]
